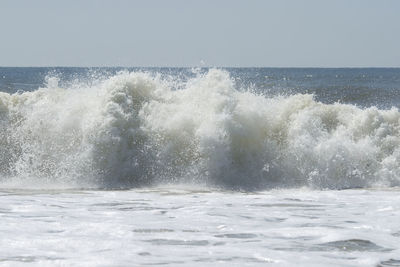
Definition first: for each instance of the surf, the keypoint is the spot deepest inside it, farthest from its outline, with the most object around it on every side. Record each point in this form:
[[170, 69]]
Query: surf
[[142, 129]]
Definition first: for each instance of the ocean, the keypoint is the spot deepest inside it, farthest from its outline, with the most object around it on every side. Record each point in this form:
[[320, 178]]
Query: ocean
[[199, 166]]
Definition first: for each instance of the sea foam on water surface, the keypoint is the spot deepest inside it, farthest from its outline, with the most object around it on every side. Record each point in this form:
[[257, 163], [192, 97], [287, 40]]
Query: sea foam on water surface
[[136, 128]]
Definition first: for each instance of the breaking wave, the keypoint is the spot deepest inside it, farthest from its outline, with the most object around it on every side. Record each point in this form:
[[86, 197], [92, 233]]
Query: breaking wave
[[136, 129]]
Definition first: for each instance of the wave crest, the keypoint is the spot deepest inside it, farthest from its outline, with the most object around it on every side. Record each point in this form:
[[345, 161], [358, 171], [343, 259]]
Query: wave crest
[[136, 129]]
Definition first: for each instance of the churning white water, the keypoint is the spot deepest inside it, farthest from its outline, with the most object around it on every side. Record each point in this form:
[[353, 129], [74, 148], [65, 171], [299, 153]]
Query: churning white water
[[186, 227], [138, 129]]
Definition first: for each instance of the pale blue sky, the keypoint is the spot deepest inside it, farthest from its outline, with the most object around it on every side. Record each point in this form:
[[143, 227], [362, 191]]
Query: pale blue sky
[[263, 33]]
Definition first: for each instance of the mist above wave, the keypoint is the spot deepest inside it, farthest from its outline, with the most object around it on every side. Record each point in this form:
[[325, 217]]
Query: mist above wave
[[135, 129]]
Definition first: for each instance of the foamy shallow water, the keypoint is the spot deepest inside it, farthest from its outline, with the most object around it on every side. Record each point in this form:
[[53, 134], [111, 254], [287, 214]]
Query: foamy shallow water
[[186, 227]]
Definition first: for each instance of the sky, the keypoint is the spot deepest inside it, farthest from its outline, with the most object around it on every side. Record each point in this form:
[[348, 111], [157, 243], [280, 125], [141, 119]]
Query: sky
[[182, 33]]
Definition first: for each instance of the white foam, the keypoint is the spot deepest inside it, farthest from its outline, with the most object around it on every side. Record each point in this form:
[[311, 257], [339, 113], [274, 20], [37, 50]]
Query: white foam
[[134, 129]]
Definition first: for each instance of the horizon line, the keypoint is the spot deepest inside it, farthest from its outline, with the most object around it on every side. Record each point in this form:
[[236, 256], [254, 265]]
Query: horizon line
[[209, 67]]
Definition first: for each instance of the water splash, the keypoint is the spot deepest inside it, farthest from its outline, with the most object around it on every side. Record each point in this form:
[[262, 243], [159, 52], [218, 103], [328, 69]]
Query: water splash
[[135, 129]]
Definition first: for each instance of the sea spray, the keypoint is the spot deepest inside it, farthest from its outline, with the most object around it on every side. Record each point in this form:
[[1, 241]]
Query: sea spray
[[136, 128]]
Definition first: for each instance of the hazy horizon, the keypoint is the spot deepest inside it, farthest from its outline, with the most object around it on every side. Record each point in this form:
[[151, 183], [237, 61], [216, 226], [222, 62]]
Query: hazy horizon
[[177, 33], [208, 67]]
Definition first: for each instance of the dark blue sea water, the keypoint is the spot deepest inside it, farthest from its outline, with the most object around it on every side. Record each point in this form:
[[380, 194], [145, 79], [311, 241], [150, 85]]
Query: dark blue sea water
[[364, 87]]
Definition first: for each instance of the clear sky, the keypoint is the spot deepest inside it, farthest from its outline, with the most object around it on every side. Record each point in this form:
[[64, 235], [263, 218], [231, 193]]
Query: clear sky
[[263, 33]]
